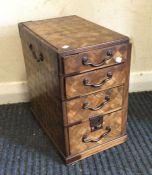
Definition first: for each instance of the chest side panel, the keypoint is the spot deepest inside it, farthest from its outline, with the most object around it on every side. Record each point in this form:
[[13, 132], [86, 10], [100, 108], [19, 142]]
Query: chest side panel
[[44, 87]]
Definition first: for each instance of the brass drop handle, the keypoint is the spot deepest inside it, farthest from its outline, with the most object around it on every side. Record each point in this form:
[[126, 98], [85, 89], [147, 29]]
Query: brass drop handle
[[85, 60], [98, 107], [87, 83], [37, 58], [86, 139]]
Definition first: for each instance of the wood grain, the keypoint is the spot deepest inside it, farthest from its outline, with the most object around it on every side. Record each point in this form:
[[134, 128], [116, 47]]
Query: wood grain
[[73, 31], [57, 88], [126, 88], [75, 87], [76, 132], [44, 90], [74, 63], [75, 158], [75, 111]]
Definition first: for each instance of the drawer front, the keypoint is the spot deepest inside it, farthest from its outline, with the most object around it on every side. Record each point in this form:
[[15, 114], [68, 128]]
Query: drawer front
[[95, 59], [95, 80], [82, 136], [97, 103]]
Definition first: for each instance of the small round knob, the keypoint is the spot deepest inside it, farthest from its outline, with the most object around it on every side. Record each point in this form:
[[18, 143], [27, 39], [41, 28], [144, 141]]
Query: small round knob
[[109, 74], [108, 128], [109, 53], [85, 104], [85, 81], [84, 59], [85, 136], [107, 97]]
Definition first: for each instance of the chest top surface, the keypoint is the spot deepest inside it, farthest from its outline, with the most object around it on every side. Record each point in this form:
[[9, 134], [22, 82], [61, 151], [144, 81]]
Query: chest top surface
[[73, 33]]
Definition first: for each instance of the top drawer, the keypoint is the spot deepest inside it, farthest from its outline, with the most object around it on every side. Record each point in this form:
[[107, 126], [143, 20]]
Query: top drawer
[[95, 59]]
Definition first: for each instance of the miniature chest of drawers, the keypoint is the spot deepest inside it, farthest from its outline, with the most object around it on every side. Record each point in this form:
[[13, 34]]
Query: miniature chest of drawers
[[78, 74]]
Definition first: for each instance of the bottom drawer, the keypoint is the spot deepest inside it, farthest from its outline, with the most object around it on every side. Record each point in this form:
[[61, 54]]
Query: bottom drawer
[[95, 131]]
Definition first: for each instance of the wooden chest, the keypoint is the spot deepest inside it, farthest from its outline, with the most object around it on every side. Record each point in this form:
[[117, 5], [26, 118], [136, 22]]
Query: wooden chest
[[78, 74]]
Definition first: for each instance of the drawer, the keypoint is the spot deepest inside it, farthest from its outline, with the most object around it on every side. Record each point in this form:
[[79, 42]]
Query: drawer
[[95, 59], [96, 80], [84, 136], [97, 103]]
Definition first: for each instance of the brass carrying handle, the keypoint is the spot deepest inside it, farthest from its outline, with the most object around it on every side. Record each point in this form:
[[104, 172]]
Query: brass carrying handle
[[37, 58], [87, 83], [86, 104], [85, 60], [86, 139]]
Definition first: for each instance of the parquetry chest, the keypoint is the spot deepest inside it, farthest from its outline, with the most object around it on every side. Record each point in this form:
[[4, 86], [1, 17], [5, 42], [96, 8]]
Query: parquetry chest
[[77, 75]]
